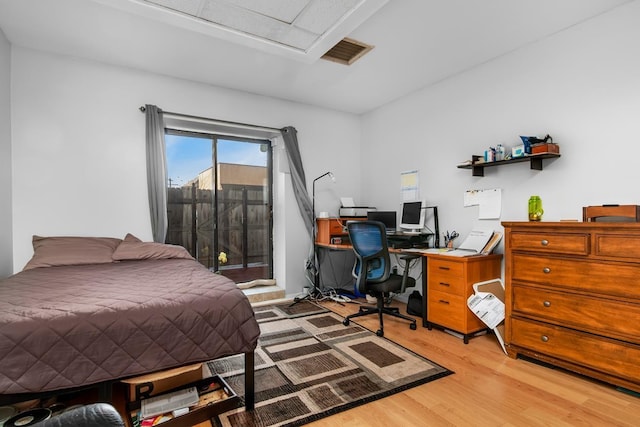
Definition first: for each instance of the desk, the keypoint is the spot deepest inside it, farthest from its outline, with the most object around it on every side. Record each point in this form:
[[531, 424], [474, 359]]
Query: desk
[[446, 284]]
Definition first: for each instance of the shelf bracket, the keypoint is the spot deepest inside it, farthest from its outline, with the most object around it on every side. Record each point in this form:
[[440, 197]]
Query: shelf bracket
[[477, 170], [536, 163]]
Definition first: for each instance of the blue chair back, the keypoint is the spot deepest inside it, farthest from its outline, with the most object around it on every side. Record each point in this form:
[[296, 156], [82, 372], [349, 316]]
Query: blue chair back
[[369, 241]]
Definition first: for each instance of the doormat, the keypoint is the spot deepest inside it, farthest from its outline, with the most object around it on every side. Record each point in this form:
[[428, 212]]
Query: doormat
[[308, 366]]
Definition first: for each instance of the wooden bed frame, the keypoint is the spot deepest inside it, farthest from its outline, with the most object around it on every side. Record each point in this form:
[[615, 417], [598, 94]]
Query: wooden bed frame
[[105, 388]]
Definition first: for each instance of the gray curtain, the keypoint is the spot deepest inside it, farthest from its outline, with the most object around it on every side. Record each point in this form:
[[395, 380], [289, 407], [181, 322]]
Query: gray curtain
[[156, 172], [289, 134]]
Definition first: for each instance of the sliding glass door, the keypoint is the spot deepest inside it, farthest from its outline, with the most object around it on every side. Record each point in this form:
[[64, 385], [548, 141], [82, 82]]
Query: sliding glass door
[[220, 204]]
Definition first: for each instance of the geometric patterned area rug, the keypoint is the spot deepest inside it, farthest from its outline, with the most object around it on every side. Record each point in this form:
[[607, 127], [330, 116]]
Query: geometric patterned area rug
[[309, 366]]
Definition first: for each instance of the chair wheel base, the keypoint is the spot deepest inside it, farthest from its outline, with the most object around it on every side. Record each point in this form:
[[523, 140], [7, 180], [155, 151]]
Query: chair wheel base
[[380, 333], [345, 322], [412, 326]]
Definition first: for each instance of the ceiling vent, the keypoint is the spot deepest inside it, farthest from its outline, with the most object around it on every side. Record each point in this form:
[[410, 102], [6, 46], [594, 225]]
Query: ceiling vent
[[347, 51]]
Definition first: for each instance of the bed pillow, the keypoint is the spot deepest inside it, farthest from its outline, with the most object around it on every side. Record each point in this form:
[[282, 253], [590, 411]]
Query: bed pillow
[[132, 248], [56, 251], [131, 238]]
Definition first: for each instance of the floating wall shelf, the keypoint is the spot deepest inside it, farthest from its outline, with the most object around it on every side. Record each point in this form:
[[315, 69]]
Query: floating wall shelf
[[534, 159]]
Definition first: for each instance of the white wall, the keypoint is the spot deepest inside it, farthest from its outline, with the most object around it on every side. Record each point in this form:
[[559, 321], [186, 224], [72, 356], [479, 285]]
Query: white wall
[[79, 156], [6, 249], [582, 86], [78, 151]]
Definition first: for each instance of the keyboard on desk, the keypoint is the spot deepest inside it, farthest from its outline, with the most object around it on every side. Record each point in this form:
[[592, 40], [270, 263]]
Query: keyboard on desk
[[398, 233], [401, 240], [399, 244]]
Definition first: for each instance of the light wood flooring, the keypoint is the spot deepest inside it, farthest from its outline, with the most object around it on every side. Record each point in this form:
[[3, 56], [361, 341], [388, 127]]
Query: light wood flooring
[[487, 389]]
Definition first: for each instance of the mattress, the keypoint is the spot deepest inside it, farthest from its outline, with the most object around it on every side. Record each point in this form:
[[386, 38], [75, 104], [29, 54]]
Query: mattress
[[69, 326]]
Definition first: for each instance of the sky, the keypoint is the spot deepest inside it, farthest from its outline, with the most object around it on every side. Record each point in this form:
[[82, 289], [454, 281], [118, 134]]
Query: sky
[[188, 156]]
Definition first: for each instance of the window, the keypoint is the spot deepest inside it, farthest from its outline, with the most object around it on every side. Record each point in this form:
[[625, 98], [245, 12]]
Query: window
[[220, 200]]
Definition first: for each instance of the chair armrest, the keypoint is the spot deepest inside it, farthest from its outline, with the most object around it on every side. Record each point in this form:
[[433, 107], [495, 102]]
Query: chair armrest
[[361, 277], [409, 257], [405, 275]]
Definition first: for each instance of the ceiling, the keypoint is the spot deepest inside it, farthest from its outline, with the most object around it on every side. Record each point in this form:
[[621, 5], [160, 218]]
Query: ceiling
[[299, 29], [417, 42]]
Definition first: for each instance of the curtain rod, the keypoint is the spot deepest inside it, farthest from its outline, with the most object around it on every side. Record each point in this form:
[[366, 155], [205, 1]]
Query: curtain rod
[[187, 116]]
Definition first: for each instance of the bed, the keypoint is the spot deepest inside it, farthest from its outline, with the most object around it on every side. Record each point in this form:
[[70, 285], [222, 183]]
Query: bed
[[91, 311]]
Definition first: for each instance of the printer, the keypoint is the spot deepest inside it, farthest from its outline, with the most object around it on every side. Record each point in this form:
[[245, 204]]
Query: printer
[[355, 211], [349, 209]]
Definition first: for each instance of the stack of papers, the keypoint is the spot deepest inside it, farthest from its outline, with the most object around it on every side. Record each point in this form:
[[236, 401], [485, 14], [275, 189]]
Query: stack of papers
[[473, 244], [426, 250], [478, 242], [166, 403]]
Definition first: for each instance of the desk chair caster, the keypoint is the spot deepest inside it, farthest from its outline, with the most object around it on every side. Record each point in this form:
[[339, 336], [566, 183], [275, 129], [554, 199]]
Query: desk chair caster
[[380, 332]]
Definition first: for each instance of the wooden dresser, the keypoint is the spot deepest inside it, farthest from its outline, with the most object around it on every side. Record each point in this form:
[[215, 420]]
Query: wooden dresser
[[449, 283], [573, 297]]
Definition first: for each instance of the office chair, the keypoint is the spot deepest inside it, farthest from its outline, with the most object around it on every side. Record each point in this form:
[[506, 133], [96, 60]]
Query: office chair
[[92, 415], [372, 271], [611, 213]]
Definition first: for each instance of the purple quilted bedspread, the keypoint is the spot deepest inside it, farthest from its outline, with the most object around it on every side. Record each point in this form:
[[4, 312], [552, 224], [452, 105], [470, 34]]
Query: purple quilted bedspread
[[63, 327]]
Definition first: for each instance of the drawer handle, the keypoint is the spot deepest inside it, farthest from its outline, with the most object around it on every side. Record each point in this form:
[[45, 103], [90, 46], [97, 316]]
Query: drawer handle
[[544, 338], [544, 242], [444, 284], [443, 301], [547, 303], [444, 268], [546, 270]]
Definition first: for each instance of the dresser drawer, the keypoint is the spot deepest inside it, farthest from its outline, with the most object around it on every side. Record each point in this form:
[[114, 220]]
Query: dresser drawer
[[625, 246], [580, 348], [561, 243], [613, 279], [600, 316]]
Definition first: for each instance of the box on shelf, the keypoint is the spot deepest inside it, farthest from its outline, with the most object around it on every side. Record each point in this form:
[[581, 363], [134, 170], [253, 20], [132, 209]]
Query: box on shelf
[[545, 148], [153, 384], [517, 151]]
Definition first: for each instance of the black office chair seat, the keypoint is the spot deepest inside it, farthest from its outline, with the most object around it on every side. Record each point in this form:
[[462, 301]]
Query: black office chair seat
[[372, 271]]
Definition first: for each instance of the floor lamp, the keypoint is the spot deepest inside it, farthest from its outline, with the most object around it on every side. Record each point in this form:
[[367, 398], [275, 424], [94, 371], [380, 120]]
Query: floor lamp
[[316, 275], [314, 226]]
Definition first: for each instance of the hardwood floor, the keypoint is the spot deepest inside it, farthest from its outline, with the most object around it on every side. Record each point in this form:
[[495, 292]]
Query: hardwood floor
[[487, 389]]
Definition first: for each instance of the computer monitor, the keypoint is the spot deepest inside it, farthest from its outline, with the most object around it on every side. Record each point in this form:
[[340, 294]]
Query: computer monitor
[[412, 219], [388, 218]]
